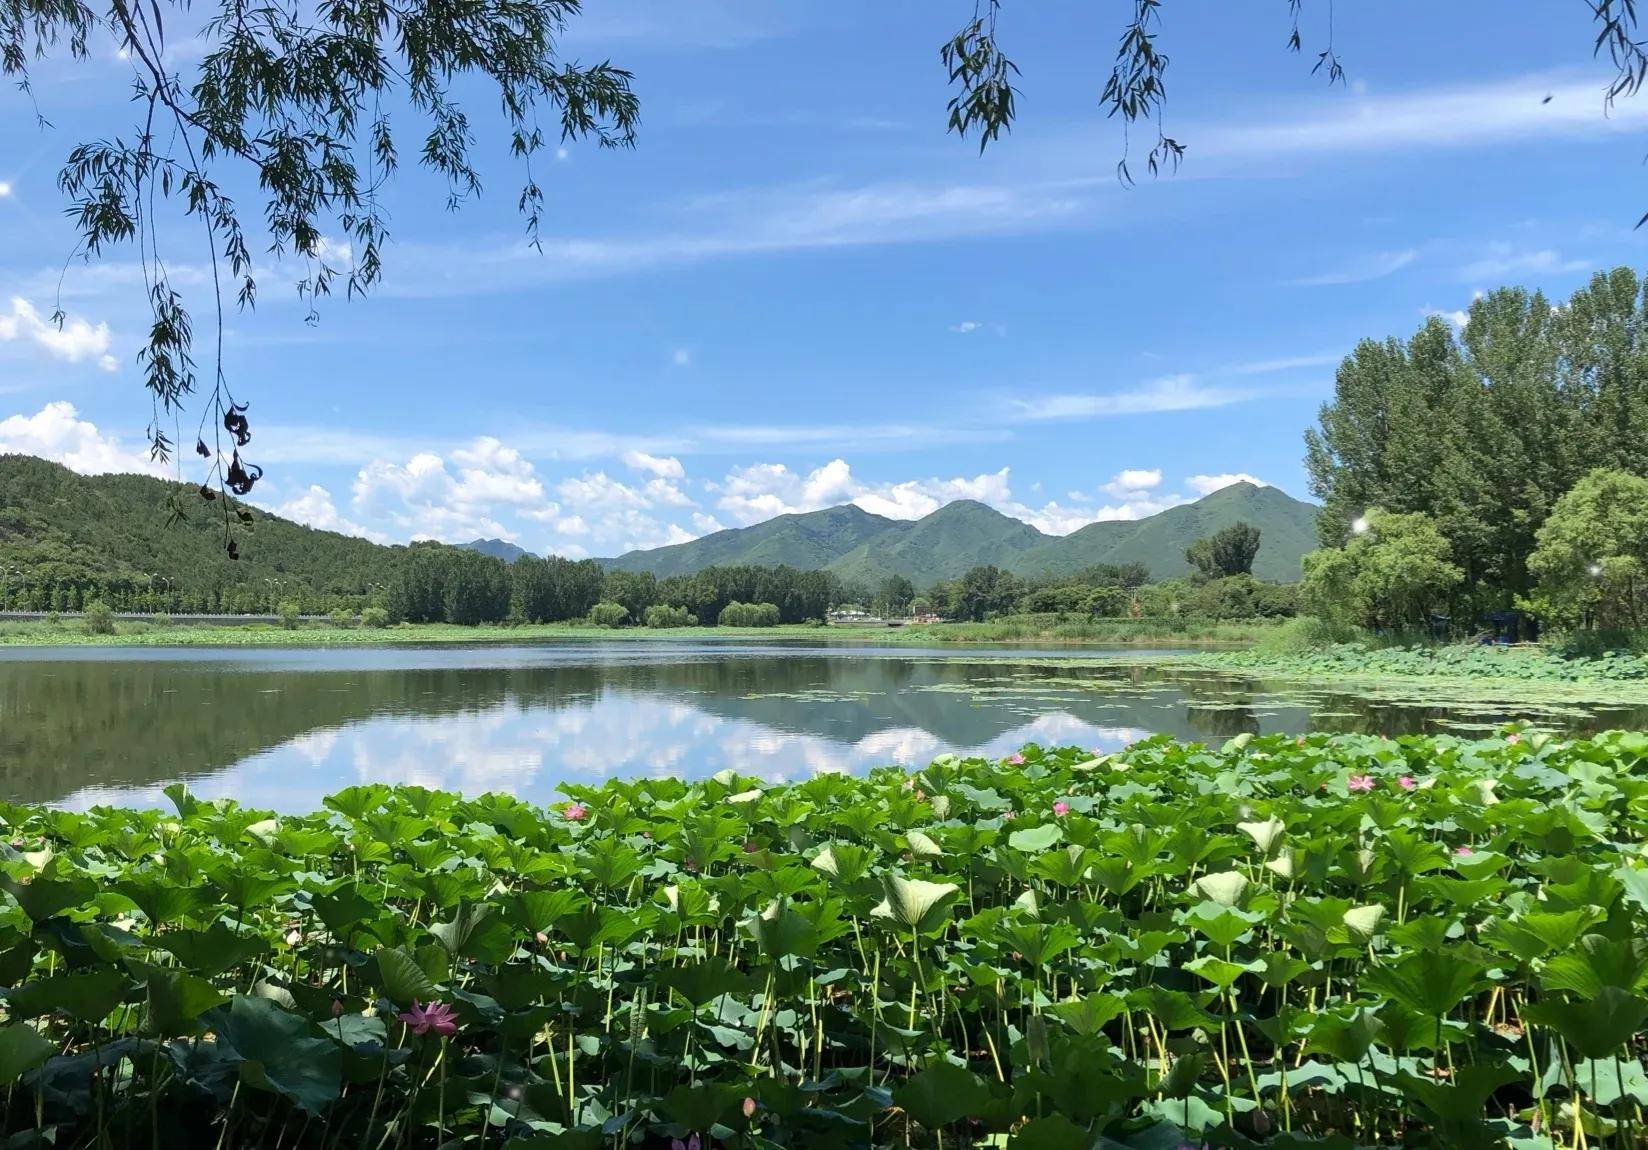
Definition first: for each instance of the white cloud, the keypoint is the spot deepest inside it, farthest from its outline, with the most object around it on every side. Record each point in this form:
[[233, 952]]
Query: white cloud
[[763, 490], [1132, 481], [1459, 317], [1287, 363], [599, 491], [617, 516], [316, 508], [681, 356], [1513, 109], [426, 499], [75, 341], [665, 467], [1504, 260], [56, 432], [1171, 393], [752, 222], [1208, 484], [1373, 267], [966, 327]]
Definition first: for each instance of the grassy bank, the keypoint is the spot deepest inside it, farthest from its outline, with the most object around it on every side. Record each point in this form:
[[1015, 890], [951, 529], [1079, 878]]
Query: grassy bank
[[1031, 629], [1337, 942], [137, 634]]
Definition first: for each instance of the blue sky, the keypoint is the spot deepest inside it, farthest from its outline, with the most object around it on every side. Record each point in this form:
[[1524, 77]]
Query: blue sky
[[798, 290]]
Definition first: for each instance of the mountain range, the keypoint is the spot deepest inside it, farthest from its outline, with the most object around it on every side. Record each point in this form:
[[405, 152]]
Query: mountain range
[[107, 529], [860, 546]]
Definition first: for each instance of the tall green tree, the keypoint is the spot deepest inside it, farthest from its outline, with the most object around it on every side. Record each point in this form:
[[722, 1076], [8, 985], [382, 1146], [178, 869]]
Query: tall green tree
[[1485, 432], [895, 596], [1228, 551], [1592, 558], [635, 591], [985, 591]]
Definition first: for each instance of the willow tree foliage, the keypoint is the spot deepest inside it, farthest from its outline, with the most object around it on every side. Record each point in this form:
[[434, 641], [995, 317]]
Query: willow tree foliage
[[312, 105], [1485, 431]]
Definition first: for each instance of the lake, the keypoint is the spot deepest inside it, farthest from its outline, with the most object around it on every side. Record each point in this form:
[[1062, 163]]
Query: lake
[[281, 728]]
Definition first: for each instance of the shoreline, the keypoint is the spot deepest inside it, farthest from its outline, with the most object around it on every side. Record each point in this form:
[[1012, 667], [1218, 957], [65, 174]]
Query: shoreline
[[129, 634]]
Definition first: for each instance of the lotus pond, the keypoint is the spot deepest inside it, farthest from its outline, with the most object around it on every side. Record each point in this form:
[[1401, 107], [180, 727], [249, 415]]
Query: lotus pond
[[1338, 941]]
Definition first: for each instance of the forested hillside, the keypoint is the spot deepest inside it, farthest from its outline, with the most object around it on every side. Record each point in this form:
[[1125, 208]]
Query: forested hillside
[[66, 538]]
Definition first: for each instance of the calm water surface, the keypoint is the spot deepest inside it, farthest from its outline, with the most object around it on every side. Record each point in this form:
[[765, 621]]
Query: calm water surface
[[281, 728]]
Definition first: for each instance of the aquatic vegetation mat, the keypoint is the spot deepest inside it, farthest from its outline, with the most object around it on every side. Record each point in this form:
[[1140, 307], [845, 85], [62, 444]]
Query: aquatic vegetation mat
[[1479, 661], [1345, 941]]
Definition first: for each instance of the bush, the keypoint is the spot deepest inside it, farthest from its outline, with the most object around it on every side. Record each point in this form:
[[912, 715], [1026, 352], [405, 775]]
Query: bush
[[608, 615], [98, 620], [737, 614], [161, 619], [375, 618], [342, 617], [1305, 633], [53, 619], [289, 615], [661, 615]]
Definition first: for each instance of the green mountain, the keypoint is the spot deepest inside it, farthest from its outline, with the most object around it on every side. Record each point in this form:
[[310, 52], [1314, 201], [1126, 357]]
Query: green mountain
[[109, 534], [1287, 530], [942, 545], [497, 548], [810, 541], [863, 547]]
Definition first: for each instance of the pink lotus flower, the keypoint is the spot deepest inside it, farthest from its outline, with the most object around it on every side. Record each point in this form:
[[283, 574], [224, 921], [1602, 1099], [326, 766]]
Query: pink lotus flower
[[575, 812], [1009, 815], [751, 846], [1406, 782], [337, 1009], [1513, 738], [749, 1108], [540, 938], [1461, 850], [1015, 759], [690, 1144], [1061, 808], [1299, 740], [436, 1016], [1359, 783]]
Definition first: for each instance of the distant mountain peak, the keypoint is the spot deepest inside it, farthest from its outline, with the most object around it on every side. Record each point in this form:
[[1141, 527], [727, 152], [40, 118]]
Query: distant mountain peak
[[498, 549]]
